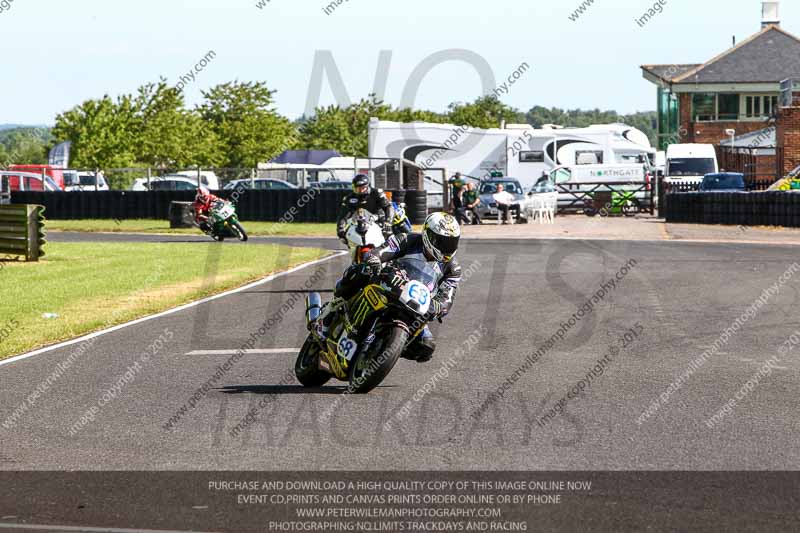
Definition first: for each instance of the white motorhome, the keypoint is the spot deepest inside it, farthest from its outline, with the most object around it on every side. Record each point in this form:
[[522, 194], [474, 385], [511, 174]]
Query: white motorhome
[[688, 163], [518, 151]]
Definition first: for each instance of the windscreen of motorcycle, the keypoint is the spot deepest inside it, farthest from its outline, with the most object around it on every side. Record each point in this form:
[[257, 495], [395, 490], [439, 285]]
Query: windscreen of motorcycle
[[419, 269], [222, 209]]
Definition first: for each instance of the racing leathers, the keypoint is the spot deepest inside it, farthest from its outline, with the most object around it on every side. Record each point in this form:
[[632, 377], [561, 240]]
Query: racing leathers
[[407, 245], [375, 202], [201, 208]]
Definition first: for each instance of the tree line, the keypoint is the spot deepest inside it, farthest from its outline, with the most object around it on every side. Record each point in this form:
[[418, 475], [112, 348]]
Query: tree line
[[236, 125]]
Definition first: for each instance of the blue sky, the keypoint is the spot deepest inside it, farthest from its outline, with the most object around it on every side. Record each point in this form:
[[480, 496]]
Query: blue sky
[[56, 53]]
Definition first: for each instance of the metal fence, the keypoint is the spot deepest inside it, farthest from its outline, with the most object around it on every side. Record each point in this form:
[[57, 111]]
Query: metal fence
[[761, 166], [574, 197]]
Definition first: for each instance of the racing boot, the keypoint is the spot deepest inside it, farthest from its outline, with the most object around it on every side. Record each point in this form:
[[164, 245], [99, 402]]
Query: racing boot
[[422, 348]]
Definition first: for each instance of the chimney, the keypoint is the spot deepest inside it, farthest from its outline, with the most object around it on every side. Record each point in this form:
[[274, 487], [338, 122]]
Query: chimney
[[769, 14]]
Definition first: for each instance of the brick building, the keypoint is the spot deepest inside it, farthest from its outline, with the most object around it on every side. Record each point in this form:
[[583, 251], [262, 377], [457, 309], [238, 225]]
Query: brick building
[[739, 89], [788, 134]]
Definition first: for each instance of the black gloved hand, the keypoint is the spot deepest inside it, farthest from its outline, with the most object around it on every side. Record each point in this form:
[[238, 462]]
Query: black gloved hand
[[373, 262], [435, 310], [365, 271]]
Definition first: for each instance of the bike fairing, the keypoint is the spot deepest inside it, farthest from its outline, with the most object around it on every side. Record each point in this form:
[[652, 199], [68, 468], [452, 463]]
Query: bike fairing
[[411, 246]]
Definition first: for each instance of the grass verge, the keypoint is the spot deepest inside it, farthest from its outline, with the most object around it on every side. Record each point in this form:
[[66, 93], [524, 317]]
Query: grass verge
[[299, 229], [91, 286]]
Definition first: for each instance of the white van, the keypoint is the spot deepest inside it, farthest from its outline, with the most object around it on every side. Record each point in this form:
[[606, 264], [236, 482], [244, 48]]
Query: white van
[[688, 163], [84, 181], [207, 177]]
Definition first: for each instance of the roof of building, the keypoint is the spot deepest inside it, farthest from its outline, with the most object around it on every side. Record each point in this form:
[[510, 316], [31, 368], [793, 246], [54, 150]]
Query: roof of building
[[669, 72], [769, 56], [762, 139]]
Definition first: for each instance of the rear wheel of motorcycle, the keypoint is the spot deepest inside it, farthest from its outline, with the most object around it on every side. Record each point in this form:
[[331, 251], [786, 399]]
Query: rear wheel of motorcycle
[[241, 233], [306, 367], [373, 365]]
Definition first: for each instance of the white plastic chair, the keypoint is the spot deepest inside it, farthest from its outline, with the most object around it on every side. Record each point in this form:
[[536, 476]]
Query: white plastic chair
[[547, 208], [542, 206]]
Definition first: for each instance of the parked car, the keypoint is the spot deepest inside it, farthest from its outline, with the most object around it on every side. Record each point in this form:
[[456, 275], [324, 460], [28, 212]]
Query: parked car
[[723, 182], [165, 183], [488, 207], [260, 184], [28, 181], [207, 177], [56, 175], [331, 185], [84, 181]]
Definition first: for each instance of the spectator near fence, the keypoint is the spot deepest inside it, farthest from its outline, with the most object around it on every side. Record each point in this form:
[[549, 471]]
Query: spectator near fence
[[459, 211], [471, 202]]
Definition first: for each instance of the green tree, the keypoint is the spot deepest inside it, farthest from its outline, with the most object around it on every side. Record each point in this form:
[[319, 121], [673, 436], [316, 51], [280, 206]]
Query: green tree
[[346, 129], [244, 120], [25, 146], [485, 112], [158, 119], [101, 132]]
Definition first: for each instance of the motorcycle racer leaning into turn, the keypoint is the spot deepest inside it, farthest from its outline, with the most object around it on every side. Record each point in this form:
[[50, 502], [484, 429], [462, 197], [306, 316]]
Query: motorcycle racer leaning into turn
[[437, 244], [202, 205], [364, 197]]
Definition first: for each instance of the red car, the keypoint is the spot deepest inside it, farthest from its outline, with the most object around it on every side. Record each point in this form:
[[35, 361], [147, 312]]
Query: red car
[[55, 175]]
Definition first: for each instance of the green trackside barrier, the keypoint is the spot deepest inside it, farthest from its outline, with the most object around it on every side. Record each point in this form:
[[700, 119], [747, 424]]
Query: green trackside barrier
[[22, 231]]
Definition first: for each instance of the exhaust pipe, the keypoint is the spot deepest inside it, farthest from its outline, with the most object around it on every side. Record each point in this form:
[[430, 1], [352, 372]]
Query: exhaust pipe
[[313, 308]]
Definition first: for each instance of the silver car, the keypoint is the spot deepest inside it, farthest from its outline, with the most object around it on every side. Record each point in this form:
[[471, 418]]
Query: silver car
[[488, 207]]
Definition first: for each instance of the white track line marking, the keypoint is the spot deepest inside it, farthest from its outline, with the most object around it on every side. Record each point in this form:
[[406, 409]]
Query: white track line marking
[[246, 352], [88, 529], [169, 311]]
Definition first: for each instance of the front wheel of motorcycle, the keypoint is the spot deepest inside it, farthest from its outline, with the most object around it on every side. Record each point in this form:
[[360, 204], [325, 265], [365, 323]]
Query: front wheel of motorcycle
[[373, 365], [306, 367], [239, 230]]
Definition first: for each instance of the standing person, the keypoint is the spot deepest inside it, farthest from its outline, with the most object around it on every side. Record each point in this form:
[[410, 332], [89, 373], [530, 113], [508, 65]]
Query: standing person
[[504, 200], [458, 206], [456, 182], [471, 202]]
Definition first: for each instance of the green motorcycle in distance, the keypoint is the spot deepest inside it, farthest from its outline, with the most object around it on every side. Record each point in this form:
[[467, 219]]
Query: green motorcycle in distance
[[223, 222]]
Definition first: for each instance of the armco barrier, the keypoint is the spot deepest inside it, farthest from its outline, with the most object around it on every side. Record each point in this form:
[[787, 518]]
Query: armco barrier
[[293, 205], [22, 231], [768, 208]]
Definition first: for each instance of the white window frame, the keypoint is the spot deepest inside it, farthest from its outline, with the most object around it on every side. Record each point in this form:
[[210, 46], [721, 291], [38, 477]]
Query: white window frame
[[765, 100]]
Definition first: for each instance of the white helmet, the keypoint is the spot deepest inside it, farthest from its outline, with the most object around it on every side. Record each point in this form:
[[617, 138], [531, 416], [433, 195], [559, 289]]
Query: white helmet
[[440, 236]]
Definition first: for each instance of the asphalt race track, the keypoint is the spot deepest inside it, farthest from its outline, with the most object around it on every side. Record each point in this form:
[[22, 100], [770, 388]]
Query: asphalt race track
[[674, 302], [683, 296]]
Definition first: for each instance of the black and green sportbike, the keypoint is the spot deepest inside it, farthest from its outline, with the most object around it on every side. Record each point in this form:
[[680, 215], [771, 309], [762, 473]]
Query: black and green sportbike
[[223, 222], [370, 331]]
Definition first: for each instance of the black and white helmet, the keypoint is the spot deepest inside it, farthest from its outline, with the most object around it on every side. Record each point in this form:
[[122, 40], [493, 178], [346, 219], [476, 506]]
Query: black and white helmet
[[440, 236], [361, 185]]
